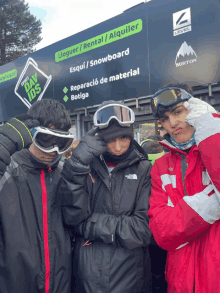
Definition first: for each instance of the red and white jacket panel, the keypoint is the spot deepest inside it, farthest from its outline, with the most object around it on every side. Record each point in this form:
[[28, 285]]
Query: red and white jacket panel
[[188, 225]]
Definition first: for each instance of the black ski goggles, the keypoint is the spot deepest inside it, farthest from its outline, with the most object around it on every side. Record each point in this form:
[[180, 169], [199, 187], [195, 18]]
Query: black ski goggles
[[49, 140], [167, 97], [124, 115]]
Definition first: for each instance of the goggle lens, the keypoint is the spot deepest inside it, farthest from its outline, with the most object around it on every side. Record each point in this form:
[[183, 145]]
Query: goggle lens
[[123, 114], [48, 140], [166, 97]]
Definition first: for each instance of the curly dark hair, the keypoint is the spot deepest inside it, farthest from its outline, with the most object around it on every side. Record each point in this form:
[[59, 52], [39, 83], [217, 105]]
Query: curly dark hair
[[50, 112]]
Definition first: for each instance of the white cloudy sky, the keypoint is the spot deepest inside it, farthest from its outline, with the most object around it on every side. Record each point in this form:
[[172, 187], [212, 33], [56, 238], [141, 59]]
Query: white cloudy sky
[[63, 18]]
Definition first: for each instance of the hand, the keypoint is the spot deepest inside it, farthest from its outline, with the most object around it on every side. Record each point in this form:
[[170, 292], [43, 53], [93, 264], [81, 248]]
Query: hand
[[17, 131], [90, 146], [14, 136], [197, 108], [68, 153]]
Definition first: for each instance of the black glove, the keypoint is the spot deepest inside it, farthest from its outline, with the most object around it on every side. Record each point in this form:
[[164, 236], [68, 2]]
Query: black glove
[[90, 146], [15, 135], [17, 131]]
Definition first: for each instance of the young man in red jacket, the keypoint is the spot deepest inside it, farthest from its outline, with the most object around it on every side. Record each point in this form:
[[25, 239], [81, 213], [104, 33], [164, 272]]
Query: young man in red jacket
[[185, 200]]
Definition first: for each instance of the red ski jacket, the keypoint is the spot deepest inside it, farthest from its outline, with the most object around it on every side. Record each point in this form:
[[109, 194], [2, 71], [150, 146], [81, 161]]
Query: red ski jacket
[[184, 214]]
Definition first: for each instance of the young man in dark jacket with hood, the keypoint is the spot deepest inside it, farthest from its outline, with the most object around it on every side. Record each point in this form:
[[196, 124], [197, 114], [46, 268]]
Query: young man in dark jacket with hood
[[109, 254], [36, 197]]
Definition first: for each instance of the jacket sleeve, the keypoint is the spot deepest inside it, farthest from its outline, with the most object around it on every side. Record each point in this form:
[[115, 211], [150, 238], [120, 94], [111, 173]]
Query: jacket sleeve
[[73, 192], [125, 231], [173, 226], [10, 202], [7, 149], [207, 136]]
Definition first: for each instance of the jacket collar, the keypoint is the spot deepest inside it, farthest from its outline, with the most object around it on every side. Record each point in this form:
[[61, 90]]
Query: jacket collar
[[167, 143], [26, 159], [138, 154]]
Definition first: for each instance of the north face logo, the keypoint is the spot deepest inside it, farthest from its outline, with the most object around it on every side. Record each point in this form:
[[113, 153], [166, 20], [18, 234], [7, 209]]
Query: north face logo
[[131, 176]]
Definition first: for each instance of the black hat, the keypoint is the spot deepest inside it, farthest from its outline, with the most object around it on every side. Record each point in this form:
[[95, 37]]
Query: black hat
[[115, 130]]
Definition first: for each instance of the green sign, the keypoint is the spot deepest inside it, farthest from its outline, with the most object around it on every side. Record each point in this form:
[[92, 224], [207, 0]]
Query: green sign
[[8, 75], [116, 34]]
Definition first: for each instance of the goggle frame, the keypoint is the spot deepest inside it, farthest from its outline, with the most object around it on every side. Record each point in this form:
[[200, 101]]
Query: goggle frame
[[106, 124], [186, 97], [54, 132]]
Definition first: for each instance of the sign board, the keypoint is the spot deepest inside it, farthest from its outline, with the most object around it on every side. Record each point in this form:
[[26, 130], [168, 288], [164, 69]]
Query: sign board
[[183, 42], [128, 56]]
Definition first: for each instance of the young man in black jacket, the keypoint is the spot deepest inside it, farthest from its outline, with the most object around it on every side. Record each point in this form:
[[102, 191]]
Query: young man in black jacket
[[109, 249], [38, 194]]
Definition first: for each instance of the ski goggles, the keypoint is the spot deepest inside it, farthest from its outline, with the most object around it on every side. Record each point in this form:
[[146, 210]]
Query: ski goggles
[[167, 97], [124, 115], [49, 140]]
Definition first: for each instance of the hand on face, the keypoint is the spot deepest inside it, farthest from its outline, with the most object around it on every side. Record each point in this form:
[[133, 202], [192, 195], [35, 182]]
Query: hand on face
[[196, 108], [90, 146], [68, 153]]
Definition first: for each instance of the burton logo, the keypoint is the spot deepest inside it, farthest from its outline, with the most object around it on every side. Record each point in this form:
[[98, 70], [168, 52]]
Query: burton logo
[[186, 55]]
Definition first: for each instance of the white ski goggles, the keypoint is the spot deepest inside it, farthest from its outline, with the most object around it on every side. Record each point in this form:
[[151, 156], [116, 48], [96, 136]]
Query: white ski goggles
[[124, 115], [49, 140]]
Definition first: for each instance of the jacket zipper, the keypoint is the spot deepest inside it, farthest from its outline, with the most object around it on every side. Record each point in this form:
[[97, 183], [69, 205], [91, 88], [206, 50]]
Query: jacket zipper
[[110, 186], [45, 230], [111, 175], [49, 170], [184, 175], [110, 181]]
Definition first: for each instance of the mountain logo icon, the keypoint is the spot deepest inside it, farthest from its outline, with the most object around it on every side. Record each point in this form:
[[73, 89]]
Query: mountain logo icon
[[186, 55]]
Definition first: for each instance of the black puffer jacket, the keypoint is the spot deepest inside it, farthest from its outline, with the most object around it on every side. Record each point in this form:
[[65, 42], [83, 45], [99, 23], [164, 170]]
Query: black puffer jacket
[[118, 228], [35, 250]]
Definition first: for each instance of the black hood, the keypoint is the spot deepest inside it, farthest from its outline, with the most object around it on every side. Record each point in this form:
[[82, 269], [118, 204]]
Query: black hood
[[140, 150]]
